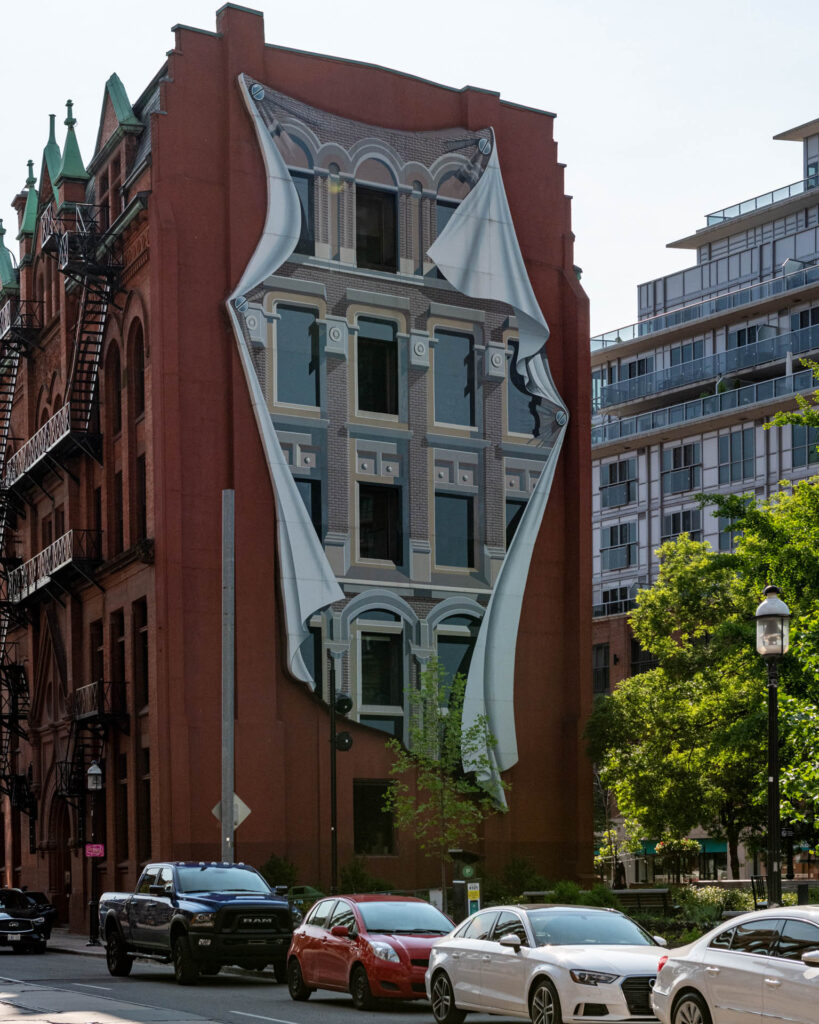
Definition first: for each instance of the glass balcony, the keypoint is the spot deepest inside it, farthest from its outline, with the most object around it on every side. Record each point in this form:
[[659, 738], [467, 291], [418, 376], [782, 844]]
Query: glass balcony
[[760, 202], [613, 607], [708, 307], [709, 367], [76, 546], [701, 408]]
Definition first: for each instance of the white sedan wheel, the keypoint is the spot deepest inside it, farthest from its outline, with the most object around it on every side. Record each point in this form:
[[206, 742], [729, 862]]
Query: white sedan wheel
[[545, 1006], [691, 1009]]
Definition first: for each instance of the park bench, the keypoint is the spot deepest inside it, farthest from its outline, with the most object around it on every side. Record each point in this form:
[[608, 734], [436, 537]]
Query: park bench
[[643, 900]]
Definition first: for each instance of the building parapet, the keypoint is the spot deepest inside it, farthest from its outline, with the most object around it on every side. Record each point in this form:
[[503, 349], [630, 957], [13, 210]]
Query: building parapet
[[761, 201]]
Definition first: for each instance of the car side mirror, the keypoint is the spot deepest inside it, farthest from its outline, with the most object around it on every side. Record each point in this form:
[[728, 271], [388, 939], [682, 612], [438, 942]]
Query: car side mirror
[[811, 958], [157, 890], [660, 940], [341, 931], [510, 941]]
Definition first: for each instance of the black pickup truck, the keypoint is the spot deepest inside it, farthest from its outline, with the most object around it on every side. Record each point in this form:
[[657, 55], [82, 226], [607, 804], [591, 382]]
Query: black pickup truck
[[200, 916]]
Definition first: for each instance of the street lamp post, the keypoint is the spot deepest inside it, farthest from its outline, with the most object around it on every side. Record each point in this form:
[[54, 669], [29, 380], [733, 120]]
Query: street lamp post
[[93, 778], [772, 634]]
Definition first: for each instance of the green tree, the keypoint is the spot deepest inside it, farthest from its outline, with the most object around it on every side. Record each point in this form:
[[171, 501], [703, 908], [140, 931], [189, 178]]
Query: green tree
[[431, 795]]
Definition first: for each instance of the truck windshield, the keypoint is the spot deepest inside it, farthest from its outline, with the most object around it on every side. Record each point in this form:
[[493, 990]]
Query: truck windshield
[[215, 878]]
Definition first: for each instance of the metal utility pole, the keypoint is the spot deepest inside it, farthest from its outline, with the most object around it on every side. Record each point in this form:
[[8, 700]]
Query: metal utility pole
[[228, 671]]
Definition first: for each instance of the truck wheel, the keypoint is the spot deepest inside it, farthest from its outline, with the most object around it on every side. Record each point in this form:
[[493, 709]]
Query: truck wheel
[[119, 963], [185, 968]]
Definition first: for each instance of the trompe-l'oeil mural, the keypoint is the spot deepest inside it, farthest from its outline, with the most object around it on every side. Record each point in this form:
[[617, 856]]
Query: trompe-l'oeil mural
[[314, 162]]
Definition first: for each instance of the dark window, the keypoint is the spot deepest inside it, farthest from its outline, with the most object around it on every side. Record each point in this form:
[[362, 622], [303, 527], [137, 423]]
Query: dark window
[[117, 627], [443, 213], [686, 353], [480, 926], [304, 190], [97, 650], [637, 368], [689, 521], [522, 409], [298, 371], [618, 546], [641, 661], [454, 531], [755, 937], [796, 938], [727, 536], [804, 441], [377, 367], [373, 832], [138, 369], [805, 318], [454, 367], [614, 601], [382, 669], [742, 337], [375, 229], [682, 468], [736, 456], [141, 498], [139, 611], [144, 806], [121, 809], [113, 381], [509, 924], [320, 913], [118, 516], [96, 512], [392, 725], [310, 491], [598, 382], [342, 915], [46, 531], [618, 483], [59, 521], [313, 657], [514, 513], [455, 654], [723, 940], [380, 526], [147, 879], [600, 668]]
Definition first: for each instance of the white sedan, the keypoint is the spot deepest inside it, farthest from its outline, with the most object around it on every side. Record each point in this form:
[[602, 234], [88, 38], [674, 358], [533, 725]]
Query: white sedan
[[545, 963], [759, 968]]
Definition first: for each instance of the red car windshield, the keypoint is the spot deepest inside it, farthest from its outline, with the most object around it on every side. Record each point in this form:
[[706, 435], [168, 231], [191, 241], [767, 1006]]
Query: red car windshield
[[404, 918]]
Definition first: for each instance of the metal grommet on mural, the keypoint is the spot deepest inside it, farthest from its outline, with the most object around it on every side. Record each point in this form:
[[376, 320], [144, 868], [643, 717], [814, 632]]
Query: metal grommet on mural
[[419, 348], [497, 359], [485, 146], [241, 304], [335, 333], [560, 418], [251, 322], [257, 92]]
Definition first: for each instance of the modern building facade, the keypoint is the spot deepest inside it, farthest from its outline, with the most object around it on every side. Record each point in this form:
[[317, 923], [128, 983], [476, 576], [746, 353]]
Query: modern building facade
[[680, 397], [306, 283]]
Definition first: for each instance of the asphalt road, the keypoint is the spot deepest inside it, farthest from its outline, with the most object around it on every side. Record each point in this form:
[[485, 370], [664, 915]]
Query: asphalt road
[[79, 990]]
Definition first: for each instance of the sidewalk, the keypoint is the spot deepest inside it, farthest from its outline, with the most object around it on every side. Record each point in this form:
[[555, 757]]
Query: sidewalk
[[64, 941]]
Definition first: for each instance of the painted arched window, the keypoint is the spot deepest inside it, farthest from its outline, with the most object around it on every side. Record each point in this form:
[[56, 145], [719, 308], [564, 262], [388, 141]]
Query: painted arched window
[[137, 365], [113, 391]]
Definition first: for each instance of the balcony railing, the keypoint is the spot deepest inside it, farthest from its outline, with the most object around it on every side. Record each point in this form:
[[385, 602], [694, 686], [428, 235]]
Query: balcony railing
[[613, 607], [20, 315], [760, 202], [38, 446], [712, 405], [708, 307], [719, 365], [74, 546], [100, 700]]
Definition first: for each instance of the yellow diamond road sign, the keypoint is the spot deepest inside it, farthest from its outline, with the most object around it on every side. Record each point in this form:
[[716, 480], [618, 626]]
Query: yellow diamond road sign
[[240, 811]]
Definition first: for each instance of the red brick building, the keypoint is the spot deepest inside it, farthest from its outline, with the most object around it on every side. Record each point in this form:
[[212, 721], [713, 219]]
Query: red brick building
[[146, 370]]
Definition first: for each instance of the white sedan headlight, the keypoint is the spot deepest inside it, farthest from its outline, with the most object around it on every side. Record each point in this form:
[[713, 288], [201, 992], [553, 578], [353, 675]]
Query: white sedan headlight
[[384, 951], [593, 977]]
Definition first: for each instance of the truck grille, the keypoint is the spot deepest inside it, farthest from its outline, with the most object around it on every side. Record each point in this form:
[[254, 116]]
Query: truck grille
[[262, 920], [638, 994]]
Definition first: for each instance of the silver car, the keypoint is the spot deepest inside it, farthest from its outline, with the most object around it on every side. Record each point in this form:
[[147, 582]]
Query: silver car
[[545, 963], [759, 968]]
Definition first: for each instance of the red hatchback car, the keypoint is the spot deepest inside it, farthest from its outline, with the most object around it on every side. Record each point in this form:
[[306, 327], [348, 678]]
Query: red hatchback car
[[374, 947]]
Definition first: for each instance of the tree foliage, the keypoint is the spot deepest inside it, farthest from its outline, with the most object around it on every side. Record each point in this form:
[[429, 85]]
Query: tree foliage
[[430, 794], [685, 744]]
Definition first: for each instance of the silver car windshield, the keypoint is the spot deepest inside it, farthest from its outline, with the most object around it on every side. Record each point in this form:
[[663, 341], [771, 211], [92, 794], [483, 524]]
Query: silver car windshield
[[578, 927], [209, 878], [401, 918]]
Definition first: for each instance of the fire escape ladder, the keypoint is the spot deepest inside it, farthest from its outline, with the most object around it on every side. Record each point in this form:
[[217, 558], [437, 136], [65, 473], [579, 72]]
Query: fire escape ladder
[[93, 315], [9, 365]]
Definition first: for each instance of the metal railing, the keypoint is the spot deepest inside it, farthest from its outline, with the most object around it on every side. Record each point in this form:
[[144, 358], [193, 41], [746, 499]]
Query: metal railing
[[707, 307], [97, 700], [38, 446], [73, 546], [613, 607], [712, 405], [708, 367], [20, 314], [798, 188]]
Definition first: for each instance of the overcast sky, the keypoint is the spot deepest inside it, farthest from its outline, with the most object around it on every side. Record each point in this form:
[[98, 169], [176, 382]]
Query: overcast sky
[[665, 112]]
